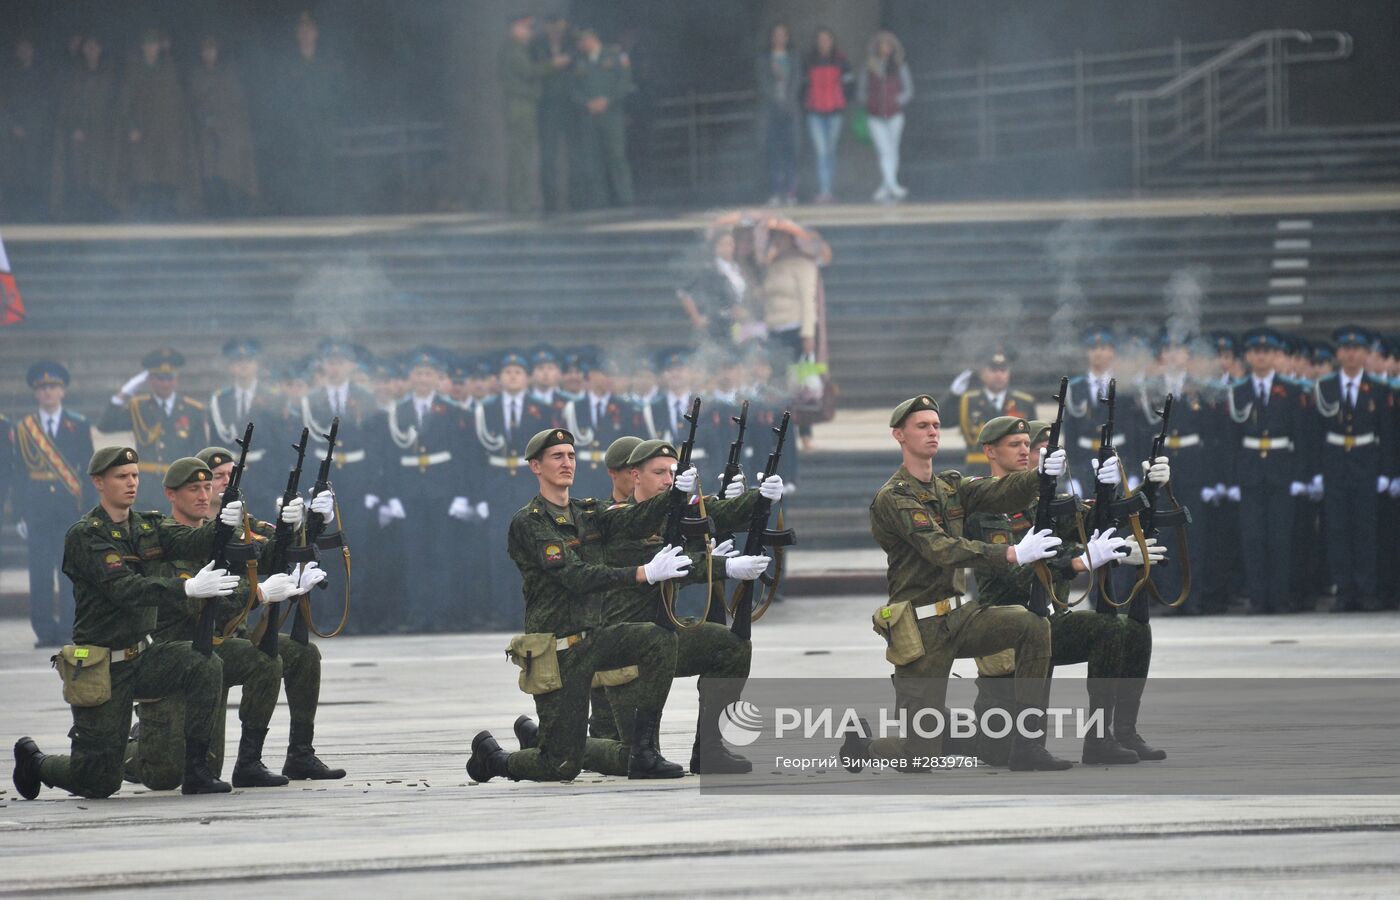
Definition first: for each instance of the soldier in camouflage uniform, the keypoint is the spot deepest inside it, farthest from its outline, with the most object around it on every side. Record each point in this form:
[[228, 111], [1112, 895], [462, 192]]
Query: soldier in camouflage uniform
[[917, 518], [1080, 636], [107, 555], [154, 760], [550, 541], [706, 649]]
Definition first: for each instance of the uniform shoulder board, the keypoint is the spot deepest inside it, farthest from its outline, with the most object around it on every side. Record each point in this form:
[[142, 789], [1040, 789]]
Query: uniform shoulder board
[[190, 401], [588, 503], [1022, 395], [140, 398]]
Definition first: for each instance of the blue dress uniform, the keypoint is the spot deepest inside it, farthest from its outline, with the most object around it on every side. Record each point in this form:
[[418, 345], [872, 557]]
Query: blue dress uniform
[[503, 426], [1271, 440], [595, 422], [1388, 567], [51, 489], [1188, 447], [1357, 416], [1084, 414], [163, 430], [1220, 528], [232, 408]]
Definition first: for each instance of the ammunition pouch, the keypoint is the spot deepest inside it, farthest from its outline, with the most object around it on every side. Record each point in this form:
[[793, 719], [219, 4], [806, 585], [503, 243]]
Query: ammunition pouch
[[87, 674], [899, 626], [537, 655]]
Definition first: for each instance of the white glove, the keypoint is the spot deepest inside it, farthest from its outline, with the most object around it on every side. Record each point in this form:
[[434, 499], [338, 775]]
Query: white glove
[[1159, 471], [391, 511], [134, 384], [294, 513], [371, 501], [460, 509], [232, 515], [210, 582], [1108, 474], [723, 551], [962, 382], [1297, 489], [1035, 546], [1232, 493], [746, 568], [1208, 495], [687, 480], [23, 528], [1382, 484], [1102, 548], [279, 587], [308, 576], [734, 489], [771, 488], [1395, 488], [482, 510], [323, 505], [1155, 552], [1315, 488], [669, 562], [1054, 464]]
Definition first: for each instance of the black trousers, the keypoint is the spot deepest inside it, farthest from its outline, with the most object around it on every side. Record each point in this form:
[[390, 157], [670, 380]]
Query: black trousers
[[1266, 540]]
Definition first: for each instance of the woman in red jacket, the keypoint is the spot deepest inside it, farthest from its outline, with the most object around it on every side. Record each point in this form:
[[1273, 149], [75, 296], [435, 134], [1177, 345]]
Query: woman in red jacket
[[826, 72]]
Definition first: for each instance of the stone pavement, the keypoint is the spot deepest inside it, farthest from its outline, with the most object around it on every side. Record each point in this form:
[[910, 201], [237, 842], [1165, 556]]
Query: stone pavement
[[399, 712]]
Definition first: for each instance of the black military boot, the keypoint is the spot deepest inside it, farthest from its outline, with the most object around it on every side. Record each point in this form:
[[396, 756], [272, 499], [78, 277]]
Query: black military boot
[[1027, 755], [709, 756], [1125, 731], [856, 748], [1105, 751], [302, 764], [198, 779], [28, 760], [249, 770], [488, 760], [646, 760], [527, 733]]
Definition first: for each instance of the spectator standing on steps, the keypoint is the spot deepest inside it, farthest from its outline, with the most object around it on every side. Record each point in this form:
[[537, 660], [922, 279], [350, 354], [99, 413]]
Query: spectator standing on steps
[[778, 82], [884, 87], [825, 75]]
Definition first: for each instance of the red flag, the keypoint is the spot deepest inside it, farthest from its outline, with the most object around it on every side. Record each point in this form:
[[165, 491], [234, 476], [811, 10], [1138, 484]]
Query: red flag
[[11, 306]]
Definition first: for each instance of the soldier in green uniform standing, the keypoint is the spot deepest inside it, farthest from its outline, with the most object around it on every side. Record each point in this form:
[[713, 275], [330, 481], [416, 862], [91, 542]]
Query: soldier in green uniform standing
[[522, 81], [602, 79], [164, 423], [918, 519], [154, 759], [550, 541], [107, 555], [1080, 636], [301, 663]]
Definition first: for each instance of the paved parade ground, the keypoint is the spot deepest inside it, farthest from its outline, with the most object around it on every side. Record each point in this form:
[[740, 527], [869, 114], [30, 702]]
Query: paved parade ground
[[399, 712]]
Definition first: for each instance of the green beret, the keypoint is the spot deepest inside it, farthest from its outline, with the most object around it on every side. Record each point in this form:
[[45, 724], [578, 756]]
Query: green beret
[[110, 457], [619, 451], [1040, 431], [183, 471], [213, 457], [650, 450], [1000, 427], [912, 405], [550, 437]]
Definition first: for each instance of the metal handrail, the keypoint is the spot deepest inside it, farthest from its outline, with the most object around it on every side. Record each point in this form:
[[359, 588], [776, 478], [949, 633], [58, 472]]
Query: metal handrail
[[1239, 49]]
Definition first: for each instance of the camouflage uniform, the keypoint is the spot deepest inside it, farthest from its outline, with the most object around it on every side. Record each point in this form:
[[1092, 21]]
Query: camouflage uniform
[[562, 596], [117, 607], [919, 525]]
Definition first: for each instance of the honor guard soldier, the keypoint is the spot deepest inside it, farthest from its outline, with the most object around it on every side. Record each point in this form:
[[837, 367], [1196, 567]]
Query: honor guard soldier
[[504, 425], [52, 447], [917, 518], [596, 419], [1084, 414], [544, 382], [1384, 363], [435, 482], [573, 371], [974, 407], [106, 555], [164, 423], [672, 401], [1271, 428], [1357, 421], [555, 540], [246, 399]]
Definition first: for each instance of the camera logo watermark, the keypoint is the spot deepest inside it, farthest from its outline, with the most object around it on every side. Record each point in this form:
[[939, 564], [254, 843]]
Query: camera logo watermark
[[741, 723]]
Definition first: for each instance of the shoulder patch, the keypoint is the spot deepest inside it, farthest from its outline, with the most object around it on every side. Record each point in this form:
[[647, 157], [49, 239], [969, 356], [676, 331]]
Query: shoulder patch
[[112, 562], [552, 554], [919, 519]]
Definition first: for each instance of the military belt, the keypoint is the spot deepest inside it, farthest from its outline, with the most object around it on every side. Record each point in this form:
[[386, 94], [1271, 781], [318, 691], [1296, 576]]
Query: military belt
[[345, 459], [511, 462], [939, 607], [596, 457], [1092, 443], [569, 640], [130, 653], [42, 475], [1267, 444], [1176, 442], [423, 460], [1349, 441]]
